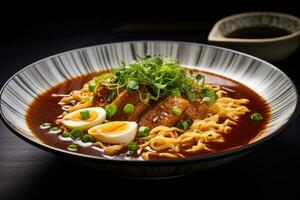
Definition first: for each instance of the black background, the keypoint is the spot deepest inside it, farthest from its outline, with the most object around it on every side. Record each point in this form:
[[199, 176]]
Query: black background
[[28, 35]]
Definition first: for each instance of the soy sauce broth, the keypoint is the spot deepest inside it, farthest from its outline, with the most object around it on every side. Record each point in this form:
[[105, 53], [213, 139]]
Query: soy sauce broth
[[258, 32], [45, 109]]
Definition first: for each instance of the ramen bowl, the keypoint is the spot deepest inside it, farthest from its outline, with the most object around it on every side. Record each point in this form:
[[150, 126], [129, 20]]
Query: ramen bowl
[[269, 82]]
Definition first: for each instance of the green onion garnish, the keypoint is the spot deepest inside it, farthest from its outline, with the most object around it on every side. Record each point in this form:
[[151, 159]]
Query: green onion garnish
[[77, 133], [85, 114], [256, 117], [208, 95], [72, 147], [184, 87], [87, 138], [45, 125], [132, 146], [153, 77], [184, 124], [176, 111], [176, 93], [128, 108], [143, 131], [199, 77], [92, 86], [66, 134], [133, 85], [191, 96], [54, 128], [111, 109]]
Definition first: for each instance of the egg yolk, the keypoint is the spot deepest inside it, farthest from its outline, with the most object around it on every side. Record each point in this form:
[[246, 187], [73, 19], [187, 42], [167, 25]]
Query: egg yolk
[[76, 117], [113, 127]]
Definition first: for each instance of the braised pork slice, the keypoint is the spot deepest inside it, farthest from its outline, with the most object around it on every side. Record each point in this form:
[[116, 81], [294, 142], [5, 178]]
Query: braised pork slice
[[126, 97], [196, 110], [161, 112], [101, 97]]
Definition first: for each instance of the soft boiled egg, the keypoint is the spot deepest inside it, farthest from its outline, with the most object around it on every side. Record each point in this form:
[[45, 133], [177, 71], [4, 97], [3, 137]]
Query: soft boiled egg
[[84, 118], [116, 132]]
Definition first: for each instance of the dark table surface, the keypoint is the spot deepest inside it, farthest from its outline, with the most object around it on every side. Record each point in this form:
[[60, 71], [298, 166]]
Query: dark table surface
[[27, 172]]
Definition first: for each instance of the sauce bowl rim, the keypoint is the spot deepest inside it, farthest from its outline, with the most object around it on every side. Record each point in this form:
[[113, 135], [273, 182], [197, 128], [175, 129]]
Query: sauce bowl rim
[[213, 38]]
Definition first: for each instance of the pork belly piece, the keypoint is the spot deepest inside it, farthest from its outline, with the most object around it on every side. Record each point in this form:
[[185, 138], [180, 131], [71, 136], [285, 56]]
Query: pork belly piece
[[196, 110], [126, 97], [101, 97], [161, 112]]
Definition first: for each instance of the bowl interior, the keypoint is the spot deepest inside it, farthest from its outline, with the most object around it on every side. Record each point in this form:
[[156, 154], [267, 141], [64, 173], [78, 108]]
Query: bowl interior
[[266, 80]]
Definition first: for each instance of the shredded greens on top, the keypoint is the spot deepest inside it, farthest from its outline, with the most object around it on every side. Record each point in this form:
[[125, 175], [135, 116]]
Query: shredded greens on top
[[153, 78]]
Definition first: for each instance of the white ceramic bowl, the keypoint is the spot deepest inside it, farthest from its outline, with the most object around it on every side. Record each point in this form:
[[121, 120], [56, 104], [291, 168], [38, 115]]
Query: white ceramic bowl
[[270, 49], [268, 81]]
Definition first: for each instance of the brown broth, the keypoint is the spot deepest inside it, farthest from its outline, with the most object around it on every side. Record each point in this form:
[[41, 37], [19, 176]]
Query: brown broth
[[45, 109], [258, 32]]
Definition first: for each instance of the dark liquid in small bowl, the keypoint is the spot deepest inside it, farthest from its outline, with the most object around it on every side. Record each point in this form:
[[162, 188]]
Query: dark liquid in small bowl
[[258, 32]]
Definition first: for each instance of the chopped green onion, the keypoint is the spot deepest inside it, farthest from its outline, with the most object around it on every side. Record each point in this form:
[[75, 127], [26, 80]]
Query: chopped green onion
[[92, 86], [199, 77], [66, 134], [158, 61], [133, 85], [191, 72], [54, 128], [106, 121], [128, 108], [205, 91], [111, 109], [176, 93], [208, 95], [85, 114], [132, 146], [184, 124], [256, 117], [159, 77], [45, 125], [72, 147], [191, 96], [77, 133], [111, 95], [214, 97], [87, 138], [184, 87], [143, 131], [176, 111]]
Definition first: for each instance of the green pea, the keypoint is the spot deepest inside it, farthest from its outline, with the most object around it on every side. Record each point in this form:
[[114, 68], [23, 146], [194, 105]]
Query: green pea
[[54, 128], [77, 133], [132, 146], [87, 138], [176, 111], [111, 109], [66, 134], [256, 117], [72, 147], [128, 108], [85, 114], [184, 124], [92, 86], [143, 131]]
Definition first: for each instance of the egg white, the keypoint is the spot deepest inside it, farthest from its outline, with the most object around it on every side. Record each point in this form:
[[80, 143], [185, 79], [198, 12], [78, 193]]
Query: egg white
[[122, 137], [84, 125]]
